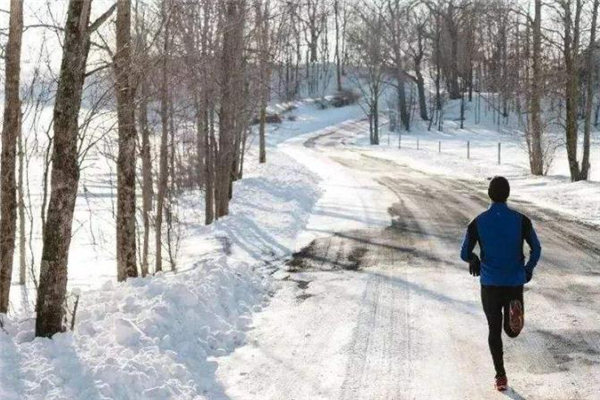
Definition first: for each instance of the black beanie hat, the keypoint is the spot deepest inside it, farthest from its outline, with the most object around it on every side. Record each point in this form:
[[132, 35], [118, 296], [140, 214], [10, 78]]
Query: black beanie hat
[[499, 189]]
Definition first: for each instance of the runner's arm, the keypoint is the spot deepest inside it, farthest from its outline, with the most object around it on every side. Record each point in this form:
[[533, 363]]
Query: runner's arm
[[469, 242], [533, 242]]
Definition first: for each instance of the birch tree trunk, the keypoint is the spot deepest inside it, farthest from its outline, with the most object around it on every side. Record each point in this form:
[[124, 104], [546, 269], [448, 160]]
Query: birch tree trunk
[[10, 132], [65, 172], [126, 246]]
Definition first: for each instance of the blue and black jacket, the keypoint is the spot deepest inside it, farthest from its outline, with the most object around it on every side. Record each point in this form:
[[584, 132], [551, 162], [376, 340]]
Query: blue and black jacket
[[501, 233]]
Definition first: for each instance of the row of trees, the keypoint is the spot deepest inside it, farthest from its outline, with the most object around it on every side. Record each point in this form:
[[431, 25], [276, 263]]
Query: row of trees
[[537, 60], [185, 77]]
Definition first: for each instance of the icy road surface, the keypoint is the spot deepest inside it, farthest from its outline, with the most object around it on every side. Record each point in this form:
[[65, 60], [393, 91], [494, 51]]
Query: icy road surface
[[382, 308]]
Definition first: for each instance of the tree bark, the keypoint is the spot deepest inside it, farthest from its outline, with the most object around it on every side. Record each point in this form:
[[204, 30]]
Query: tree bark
[[262, 16], [210, 168], [587, 132], [147, 189], [163, 175], [402, 107], [231, 66], [338, 61], [21, 200], [126, 245], [10, 132], [65, 172], [571, 51], [536, 156], [421, 92]]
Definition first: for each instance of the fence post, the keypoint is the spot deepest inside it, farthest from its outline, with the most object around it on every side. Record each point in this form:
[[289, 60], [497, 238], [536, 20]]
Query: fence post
[[440, 146], [499, 153], [468, 149]]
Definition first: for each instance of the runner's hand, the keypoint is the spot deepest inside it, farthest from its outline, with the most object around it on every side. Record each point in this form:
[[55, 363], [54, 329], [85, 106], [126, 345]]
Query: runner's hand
[[528, 276], [475, 266]]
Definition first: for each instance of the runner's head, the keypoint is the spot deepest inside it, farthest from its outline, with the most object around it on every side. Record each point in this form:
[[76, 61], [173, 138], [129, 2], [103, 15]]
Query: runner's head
[[499, 189]]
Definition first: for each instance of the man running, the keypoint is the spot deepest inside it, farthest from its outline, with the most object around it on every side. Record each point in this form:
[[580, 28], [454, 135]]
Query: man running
[[500, 233]]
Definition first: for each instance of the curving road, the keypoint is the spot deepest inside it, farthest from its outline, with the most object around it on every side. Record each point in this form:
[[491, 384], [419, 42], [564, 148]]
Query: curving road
[[388, 311]]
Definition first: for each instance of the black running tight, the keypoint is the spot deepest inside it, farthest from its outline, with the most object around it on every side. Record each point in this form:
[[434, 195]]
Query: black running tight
[[496, 300]]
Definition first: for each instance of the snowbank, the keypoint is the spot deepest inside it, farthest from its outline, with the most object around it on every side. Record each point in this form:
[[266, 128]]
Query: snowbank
[[153, 338]]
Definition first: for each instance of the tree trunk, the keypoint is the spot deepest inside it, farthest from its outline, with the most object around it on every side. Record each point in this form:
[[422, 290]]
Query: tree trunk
[[163, 175], [338, 61], [262, 154], [402, 108], [536, 156], [209, 168], [453, 87], [587, 132], [145, 152], [10, 133], [147, 190], [126, 246], [376, 118], [262, 17], [21, 200], [231, 66], [421, 94], [571, 49], [201, 132], [65, 172]]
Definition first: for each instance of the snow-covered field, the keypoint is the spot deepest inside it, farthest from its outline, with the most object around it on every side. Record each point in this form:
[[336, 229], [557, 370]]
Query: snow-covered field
[[445, 154]]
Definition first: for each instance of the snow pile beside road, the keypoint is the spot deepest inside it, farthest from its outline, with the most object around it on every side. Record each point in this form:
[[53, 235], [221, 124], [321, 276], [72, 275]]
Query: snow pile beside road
[[153, 338], [145, 338], [270, 207]]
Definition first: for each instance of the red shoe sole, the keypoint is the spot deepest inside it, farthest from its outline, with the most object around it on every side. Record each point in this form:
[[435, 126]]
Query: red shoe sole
[[516, 317], [502, 385]]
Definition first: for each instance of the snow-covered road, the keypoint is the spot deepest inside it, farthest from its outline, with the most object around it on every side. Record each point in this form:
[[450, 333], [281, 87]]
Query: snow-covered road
[[408, 324]]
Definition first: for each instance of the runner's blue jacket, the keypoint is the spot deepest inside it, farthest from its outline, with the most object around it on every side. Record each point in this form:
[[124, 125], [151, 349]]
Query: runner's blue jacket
[[501, 233]]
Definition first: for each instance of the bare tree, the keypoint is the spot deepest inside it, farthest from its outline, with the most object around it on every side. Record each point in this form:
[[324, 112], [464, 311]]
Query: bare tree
[[591, 66], [126, 246], [264, 39], [145, 153], [536, 158], [338, 56], [10, 132], [570, 49], [394, 19], [418, 19], [366, 51], [231, 87], [65, 168], [163, 177]]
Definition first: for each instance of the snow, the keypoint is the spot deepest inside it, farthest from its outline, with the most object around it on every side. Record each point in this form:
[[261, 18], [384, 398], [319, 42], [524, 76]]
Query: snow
[[197, 333], [155, 337], [580, 200]]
